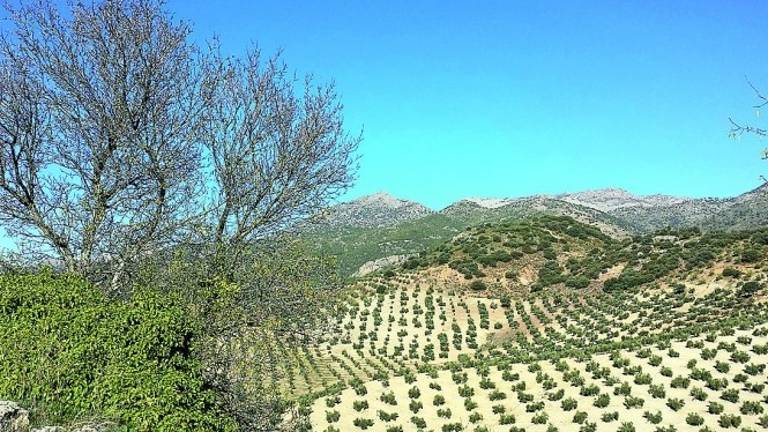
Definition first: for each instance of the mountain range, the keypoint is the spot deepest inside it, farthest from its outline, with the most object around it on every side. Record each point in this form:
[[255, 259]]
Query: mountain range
[[381, 226]]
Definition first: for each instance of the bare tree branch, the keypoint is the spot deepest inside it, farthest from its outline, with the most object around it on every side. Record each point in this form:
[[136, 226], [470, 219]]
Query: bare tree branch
[[278, 155], [98, 117], [738, 130]]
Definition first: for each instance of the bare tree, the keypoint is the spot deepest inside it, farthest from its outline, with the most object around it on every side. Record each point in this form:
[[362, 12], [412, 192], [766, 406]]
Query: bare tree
[[127, 154], [277, 154], [98, 121], [106, 117], [738, 129]]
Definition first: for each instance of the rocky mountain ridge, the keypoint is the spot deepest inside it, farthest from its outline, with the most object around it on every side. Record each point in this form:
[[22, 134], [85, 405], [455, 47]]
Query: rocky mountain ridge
[[373, 211], [640, 213], [378, 226]]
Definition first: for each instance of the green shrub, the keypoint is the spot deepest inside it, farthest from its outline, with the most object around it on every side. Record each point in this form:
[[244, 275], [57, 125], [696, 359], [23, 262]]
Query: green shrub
[[715, 408], [729, 421], [750, 288], [675, 403], [83, 354], [419, 422], [579, 417], [568, 404], [577, 282], [363, 423], [477, 285], [653, 418], [751, 256], [694, 419]]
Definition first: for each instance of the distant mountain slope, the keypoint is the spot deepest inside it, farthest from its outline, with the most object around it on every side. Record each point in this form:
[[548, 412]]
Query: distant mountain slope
[[607, 200], [354, 246], [472, 212], [380, 225], [749, 210], [373, 211]]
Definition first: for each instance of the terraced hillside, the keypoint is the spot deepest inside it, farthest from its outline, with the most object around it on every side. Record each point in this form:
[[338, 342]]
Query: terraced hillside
[[547, 324]]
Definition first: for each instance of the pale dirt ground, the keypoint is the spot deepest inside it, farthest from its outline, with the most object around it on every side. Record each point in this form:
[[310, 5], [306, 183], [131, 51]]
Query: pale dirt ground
[[334, 361], [454, 313], [557, 416]]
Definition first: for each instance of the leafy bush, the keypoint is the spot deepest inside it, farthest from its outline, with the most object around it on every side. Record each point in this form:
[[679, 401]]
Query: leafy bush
[[653, 418], [477, 285], [568, 404], [729, 421], [577, 282], [363, 423], [675, 403], [751, 256], [694, 419], [128, 360], [749, 288]]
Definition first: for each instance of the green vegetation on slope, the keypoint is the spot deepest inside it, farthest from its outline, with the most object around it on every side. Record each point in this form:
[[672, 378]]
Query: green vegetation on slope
[[354, 246], [560, 250], [489, 245], [71, 353]]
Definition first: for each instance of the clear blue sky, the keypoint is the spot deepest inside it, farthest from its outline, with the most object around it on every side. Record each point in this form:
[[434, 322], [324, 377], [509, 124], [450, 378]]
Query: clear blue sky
[[514, 98]]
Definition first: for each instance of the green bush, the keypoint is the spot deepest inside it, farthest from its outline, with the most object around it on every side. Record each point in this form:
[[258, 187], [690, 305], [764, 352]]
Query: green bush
[[577, 282], [749, 288], [67, 351], [751, 256], [477, 285]]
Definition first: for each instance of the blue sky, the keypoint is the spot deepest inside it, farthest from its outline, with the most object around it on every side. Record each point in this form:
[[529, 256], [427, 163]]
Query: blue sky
[[512, 98]]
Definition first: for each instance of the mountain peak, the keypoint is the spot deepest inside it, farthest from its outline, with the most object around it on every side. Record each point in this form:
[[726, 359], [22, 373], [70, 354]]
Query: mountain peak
[[490, 203], [380, 209], [609, 199], [380, 198]]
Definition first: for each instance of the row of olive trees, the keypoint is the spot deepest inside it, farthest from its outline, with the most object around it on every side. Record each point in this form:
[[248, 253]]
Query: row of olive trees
[[120, 138]]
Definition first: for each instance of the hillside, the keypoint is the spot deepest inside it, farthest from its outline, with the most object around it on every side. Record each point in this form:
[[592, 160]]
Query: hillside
[[381, 226], [745, 211], [373, 211], [607, 200], [525, 256], [548, 324]]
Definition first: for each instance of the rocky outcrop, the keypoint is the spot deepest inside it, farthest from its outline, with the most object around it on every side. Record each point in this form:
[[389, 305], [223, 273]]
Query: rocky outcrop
[[372, 266], [372, 211], [13, 418]]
